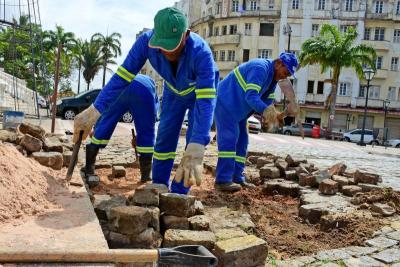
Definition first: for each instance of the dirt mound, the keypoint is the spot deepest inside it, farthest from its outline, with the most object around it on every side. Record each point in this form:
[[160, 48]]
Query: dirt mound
[[25, 186]]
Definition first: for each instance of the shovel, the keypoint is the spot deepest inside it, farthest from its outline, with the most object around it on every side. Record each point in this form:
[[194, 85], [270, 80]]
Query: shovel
[[190, 255], [74, 157]]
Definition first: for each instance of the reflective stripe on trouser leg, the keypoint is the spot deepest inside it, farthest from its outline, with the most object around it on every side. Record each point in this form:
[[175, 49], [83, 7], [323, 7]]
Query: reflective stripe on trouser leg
[[241, 151], [172, 114], [227, 134]]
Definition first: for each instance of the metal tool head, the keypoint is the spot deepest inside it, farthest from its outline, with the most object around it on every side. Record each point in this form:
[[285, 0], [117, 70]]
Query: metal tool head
[[74, 157]]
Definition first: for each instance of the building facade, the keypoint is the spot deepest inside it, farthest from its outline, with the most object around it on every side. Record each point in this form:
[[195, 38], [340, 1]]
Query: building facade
[[239, 30]]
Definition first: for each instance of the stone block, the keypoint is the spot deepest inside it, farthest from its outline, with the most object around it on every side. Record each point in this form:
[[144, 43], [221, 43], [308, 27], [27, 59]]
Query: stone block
[[291, 175], [129, 220], [366, 178], [224, 234], [98, 198], [67, 156], [351, 190], [364, 261], [383, 209], [117, 240], [282, 165], [174, 222], [33, 130], [328, 187], [31, 144], [337, 169], [173, 238], [253, 159], [281, 187], [261, 161], [198, 207], [199, 223], [381, 242], [118, 171], [177, 204], [21, 150], [322, 175], [332, 255], [394, 235], [307, 180], [53, 144], [341, 180], [147, 239], [269, 172], [148, 194], [241, 251], [155, 218], [388, 256], [369, 187], [53, 160], [313, 212], [8, 136], [358, 251], [103, 208]]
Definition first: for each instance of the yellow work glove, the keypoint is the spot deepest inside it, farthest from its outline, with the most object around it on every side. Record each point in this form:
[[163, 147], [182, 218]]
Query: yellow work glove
[[84, 121], [191, 167]]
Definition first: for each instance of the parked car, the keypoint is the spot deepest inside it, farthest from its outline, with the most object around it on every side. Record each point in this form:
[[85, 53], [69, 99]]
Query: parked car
[[69, 107], [294, 129], [355, 136], [41, 101], [394, 143], [254, 125]]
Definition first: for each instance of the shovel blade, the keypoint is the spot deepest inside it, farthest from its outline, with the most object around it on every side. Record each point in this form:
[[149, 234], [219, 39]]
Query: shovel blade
[[189, 255]]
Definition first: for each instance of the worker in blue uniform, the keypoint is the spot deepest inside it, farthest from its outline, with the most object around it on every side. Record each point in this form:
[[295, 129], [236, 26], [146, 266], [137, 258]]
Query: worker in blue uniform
[[140, 99], [185, 62], [248, 88]]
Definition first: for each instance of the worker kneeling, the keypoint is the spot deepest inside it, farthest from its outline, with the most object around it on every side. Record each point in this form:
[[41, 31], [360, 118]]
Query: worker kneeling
[[247, 89], [140, 99]]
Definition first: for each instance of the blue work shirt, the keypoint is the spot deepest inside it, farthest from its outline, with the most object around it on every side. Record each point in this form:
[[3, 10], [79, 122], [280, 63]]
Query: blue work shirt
[[249, 87], [197, 75]]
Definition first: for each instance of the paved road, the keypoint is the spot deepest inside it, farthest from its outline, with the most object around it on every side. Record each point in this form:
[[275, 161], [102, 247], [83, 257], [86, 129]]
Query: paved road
[[324, 153]]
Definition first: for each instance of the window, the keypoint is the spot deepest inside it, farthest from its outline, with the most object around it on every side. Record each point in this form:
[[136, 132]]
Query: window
[[374, 92], [253, 5], [295, 4], [231, 55], [398, 8], [246, 55], [264, 53], [394, 65], [379, 7], [233, 29], [349, 5], [222, 55], [396, 36], [266, 29], [367, 33], [216, 31], [271, 4], [320, 88], [209, 12], [310, 87], [247, 29], [343, 89], [219, 8], [204, 33], [378, 62], [321, 4], [215, 55], [344, 28], [235, 6], [379, 34], [392, 93], [314, 30], [361, 93], [224, 30]]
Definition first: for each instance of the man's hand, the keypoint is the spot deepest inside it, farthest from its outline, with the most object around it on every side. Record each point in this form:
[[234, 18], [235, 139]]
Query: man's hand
[[191, 167], [84, 122]]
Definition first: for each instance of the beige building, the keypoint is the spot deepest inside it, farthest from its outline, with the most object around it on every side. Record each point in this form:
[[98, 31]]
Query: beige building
[[239, 30]]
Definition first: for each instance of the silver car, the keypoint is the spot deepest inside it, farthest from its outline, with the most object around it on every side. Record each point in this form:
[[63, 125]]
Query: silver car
[[294, 129]]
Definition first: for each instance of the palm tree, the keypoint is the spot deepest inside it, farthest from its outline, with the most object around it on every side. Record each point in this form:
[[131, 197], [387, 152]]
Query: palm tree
[[92, 60], [334, 50], [110, 47], [77, 53]]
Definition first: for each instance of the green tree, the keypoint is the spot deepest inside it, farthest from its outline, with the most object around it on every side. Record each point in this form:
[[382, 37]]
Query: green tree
[[92, 61], [333, 50], [110, 47], [77, 53]]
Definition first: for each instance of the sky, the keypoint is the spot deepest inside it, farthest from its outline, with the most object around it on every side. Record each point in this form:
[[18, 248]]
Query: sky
[[86, 17]]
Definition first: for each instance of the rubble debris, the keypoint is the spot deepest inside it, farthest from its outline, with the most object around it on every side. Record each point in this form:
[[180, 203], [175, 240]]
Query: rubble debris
[[33, 130], [31, 144], [337, 169], [177, 204], [366, 177], [148, 194], [118, 171], [328, 187], [53, 160]]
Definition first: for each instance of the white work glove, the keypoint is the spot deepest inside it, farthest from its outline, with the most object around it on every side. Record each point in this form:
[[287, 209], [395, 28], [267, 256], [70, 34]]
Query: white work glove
[[191, 167], [84, 121], [272, 118]]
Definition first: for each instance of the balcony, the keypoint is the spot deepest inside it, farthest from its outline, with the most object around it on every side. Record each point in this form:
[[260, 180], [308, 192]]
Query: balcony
[[394, 105], [379, 15], [372, 103], [378, 45], [315, 98], [223, 39], [381, 74], [343, 100], [295, 13], [258, 13], [227, 65]]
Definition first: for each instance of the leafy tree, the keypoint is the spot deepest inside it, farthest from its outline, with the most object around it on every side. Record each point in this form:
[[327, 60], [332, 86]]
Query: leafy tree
[[334, 50]]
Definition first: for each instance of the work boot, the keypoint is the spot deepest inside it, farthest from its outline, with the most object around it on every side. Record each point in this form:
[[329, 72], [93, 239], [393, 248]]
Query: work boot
[[228, 187], [90, 177], [145, 168], [248, 185]]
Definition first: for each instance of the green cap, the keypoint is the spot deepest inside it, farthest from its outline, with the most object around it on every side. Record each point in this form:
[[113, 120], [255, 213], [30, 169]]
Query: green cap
[[170, 25]]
